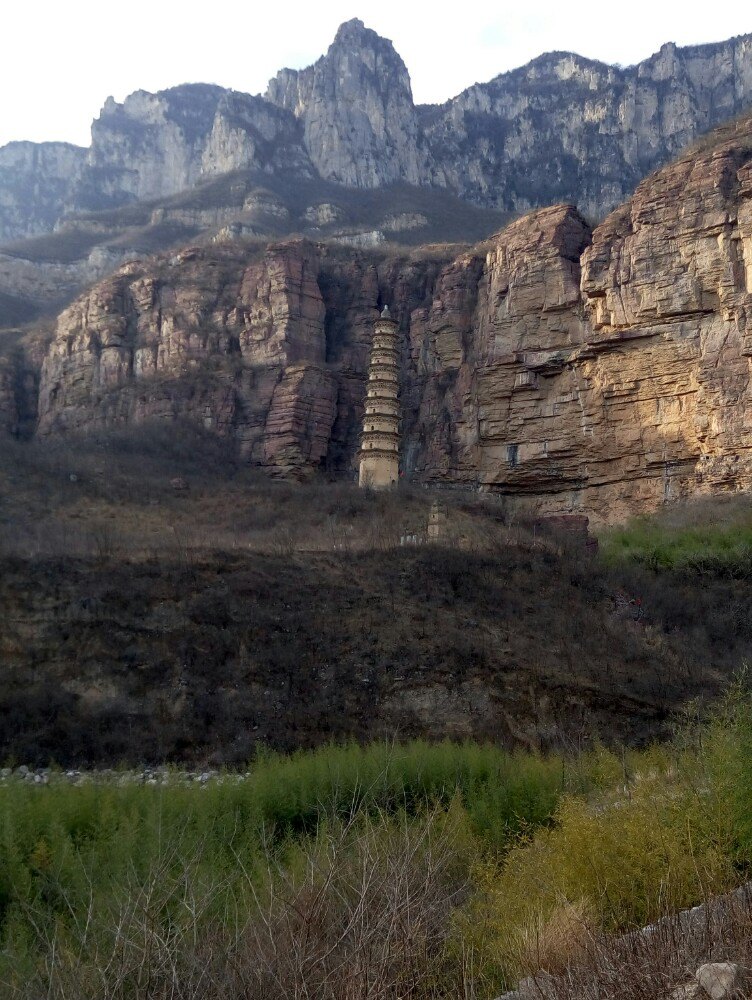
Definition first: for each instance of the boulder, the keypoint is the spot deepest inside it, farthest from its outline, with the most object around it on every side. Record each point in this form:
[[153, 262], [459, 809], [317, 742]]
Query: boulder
[[720, 980]]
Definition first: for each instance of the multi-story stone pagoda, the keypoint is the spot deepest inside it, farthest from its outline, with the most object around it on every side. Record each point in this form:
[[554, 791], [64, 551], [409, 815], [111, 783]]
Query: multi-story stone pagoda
[[379, 448]]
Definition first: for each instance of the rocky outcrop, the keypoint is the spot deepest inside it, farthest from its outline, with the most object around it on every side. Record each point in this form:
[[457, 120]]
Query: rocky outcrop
[[628, 393], [356, 107], [153, 145], [35, 181], [150, 146], [349, 118], [604, 372], [563, 128], [235, 344], [499, 324], [668, 294]]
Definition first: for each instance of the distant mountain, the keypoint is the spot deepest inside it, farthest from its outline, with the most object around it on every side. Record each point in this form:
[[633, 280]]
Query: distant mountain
[[562, 128], [41, 273]]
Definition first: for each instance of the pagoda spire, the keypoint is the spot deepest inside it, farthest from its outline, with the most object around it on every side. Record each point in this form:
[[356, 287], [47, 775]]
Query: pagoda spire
[[379, 447]]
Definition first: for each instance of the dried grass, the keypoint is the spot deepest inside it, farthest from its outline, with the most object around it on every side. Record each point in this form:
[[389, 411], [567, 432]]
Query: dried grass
[[653, 963]]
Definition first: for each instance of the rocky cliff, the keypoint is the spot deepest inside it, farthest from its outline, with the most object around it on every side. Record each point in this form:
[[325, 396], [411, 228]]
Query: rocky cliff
[[356, 107], [605, 372], [153, 145], [562, 128], [35, 182]]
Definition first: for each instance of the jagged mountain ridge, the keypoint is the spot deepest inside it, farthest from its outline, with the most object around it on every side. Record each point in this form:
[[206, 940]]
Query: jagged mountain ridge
[[561, 128]]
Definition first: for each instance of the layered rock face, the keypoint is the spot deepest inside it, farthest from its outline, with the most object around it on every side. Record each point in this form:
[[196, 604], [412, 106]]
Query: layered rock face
[[667, 286], [611, 380], [604, 372], [562, 128], [633, 389], [236, 345]]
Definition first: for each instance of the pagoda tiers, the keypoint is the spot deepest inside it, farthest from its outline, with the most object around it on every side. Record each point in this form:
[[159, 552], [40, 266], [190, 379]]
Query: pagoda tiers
[[379, 447]]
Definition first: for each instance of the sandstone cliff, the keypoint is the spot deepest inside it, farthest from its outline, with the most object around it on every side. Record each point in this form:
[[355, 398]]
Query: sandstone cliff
[[236, 344], [562, 128], [604, 373]]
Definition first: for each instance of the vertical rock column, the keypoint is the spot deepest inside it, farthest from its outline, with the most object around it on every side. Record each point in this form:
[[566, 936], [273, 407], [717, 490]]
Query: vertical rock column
[[379, 451]]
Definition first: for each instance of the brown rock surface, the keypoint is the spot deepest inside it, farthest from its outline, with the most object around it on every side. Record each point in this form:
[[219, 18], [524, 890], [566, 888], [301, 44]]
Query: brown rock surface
[[601, 376], [236, 344]]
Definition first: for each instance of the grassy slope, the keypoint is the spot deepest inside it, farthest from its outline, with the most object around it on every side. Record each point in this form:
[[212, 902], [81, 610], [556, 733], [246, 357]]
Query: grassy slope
[[712, 538]]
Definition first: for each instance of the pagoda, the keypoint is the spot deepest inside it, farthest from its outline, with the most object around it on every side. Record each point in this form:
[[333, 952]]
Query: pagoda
[[379, 447]]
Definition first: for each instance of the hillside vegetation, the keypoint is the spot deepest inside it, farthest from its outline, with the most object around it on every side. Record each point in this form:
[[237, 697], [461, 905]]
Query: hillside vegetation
[[162, 602], [706, 538], [435, 768], [265, 207], [398, 871]]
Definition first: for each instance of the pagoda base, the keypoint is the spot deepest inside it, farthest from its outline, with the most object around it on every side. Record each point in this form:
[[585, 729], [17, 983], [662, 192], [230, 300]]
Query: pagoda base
[[378, 471]]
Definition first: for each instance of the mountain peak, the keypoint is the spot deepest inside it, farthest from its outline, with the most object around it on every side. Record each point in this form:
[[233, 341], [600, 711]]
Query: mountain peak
[[354, 28], [355, 34], [357, 110]]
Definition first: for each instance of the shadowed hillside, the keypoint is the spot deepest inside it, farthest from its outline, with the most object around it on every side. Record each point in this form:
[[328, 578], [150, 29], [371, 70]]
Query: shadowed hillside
[[161, 602]]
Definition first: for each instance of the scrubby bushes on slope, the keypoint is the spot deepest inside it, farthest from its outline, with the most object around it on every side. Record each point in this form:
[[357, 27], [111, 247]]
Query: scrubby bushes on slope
[[413, 872], [674, 829], [711, 538], [175, 864]]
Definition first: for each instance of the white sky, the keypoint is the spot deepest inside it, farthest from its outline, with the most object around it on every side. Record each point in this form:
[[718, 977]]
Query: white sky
[[62, 58]]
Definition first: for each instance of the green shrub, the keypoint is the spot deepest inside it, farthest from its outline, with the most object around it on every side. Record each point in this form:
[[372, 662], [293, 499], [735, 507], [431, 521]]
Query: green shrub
[[675, 829], [519, 858], [712, 539], [70, 850]]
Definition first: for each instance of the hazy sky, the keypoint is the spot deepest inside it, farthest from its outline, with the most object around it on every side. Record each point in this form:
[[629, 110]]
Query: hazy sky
[[62, 58]]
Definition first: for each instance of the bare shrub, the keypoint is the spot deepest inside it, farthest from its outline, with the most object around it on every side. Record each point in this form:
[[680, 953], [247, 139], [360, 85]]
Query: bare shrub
[[282, 541], [362, 912], [365, 922], [103, 539], [651, 964]]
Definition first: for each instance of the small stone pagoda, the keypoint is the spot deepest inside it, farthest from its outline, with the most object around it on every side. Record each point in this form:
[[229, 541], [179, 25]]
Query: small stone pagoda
[[379, 448]]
